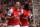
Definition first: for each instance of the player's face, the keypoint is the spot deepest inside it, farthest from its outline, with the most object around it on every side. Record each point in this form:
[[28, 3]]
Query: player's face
[[17, 4]]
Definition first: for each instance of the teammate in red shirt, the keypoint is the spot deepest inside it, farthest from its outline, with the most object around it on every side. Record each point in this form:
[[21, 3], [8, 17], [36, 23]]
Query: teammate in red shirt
[[24, 17], [14, 15]]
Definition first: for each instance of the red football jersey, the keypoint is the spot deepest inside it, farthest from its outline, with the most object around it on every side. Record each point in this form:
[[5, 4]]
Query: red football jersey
[[14, 21], [29, 13], [24, 20], [0, 14]]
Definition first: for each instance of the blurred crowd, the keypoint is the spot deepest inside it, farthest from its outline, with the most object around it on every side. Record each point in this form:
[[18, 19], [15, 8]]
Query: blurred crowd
[[36, 4], [5, 5]]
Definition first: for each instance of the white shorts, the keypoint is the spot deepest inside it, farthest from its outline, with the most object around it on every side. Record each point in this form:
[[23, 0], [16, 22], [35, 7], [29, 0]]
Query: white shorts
[[13, 25], [24, 26]]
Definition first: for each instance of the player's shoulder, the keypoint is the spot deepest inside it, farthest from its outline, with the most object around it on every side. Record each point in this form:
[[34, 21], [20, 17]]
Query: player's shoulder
[[24, 10], [13, 8], [29, 11]]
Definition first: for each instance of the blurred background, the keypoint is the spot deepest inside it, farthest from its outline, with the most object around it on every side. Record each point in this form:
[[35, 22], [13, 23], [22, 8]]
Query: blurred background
[[34, 6]]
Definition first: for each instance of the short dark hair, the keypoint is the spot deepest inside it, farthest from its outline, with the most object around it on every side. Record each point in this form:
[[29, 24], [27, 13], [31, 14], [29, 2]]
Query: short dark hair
[[26, 6], [16, 1]]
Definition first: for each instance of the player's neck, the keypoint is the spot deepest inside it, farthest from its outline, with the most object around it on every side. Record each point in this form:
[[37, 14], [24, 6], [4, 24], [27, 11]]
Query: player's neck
[[16, 9], [27, 10]]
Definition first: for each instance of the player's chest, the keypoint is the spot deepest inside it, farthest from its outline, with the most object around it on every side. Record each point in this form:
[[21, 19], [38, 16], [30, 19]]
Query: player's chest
[[16, 13]]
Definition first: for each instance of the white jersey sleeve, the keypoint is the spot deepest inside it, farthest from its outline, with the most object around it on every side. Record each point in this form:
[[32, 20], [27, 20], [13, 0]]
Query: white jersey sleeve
[[30, 16], [21, 12], [10, 12]]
